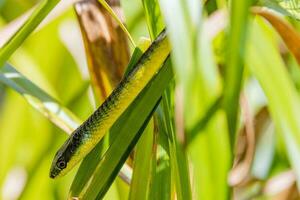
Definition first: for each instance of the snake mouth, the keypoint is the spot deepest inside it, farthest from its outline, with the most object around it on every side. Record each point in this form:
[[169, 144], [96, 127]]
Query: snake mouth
[[54, 172], [52, 175]]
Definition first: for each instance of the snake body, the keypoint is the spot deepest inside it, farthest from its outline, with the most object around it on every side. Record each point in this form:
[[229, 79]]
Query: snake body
[[87, 135]]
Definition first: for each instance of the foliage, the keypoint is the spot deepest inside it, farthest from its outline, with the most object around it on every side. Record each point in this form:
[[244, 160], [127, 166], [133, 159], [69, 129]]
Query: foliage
[[219, 120]]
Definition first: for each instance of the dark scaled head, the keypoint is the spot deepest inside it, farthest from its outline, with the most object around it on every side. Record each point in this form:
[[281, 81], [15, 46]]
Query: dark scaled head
[[59, 163]]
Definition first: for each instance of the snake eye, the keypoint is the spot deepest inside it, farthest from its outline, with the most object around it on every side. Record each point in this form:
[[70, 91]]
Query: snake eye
[[61, 164]]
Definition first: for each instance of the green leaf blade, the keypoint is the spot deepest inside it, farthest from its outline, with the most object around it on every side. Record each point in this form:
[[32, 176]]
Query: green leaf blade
[[40, 100], [273, 77], [26, 29], [234, 65], [127, 129]]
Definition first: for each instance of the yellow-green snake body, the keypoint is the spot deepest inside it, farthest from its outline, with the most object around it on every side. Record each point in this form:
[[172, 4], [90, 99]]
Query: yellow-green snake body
[[86, 137]]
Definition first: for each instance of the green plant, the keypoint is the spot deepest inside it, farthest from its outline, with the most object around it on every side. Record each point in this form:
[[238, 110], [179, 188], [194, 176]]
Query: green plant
[[219, 120]]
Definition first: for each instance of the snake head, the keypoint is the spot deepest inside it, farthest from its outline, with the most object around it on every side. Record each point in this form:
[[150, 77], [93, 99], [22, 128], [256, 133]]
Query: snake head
[[59, 163]]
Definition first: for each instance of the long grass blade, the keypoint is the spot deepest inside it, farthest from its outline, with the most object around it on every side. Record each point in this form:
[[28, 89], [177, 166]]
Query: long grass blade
[[161, 178], [32, 22], [127, 134], [12, 27], [40, 100], [178, 160], [287, 32], [267, 66], [145, 152], [160, 169], [142, 165], [153, 17], [198, 83], [234, 65]]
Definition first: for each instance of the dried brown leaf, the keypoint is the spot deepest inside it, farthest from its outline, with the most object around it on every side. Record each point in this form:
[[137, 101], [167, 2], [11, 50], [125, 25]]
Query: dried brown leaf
[[282, 186], [245, 147], [105, 43], [246, 143], [287, 32]]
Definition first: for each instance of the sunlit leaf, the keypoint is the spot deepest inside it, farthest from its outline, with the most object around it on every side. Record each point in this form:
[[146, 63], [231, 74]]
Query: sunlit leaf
[[142, 165], [273, 77], [234, 62], [32, 22], [39, 99], [9, 29], [153, 16]]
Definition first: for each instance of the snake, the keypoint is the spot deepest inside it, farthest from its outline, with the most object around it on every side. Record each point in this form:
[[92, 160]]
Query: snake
[[91, 131]]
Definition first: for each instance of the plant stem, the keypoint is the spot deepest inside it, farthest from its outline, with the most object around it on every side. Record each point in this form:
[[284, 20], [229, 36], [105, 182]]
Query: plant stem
[[234, 64]]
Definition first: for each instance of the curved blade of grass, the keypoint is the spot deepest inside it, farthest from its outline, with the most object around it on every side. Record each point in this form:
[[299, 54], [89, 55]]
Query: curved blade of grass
[[113, 14], [153, 17], [40, 100], [32, 22], [12, 27], [267, 66], [234, 65], [127, 130], [289, 35]]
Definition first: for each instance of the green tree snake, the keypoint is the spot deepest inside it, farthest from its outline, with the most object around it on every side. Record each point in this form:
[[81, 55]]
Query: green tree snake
[[87, 135]]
